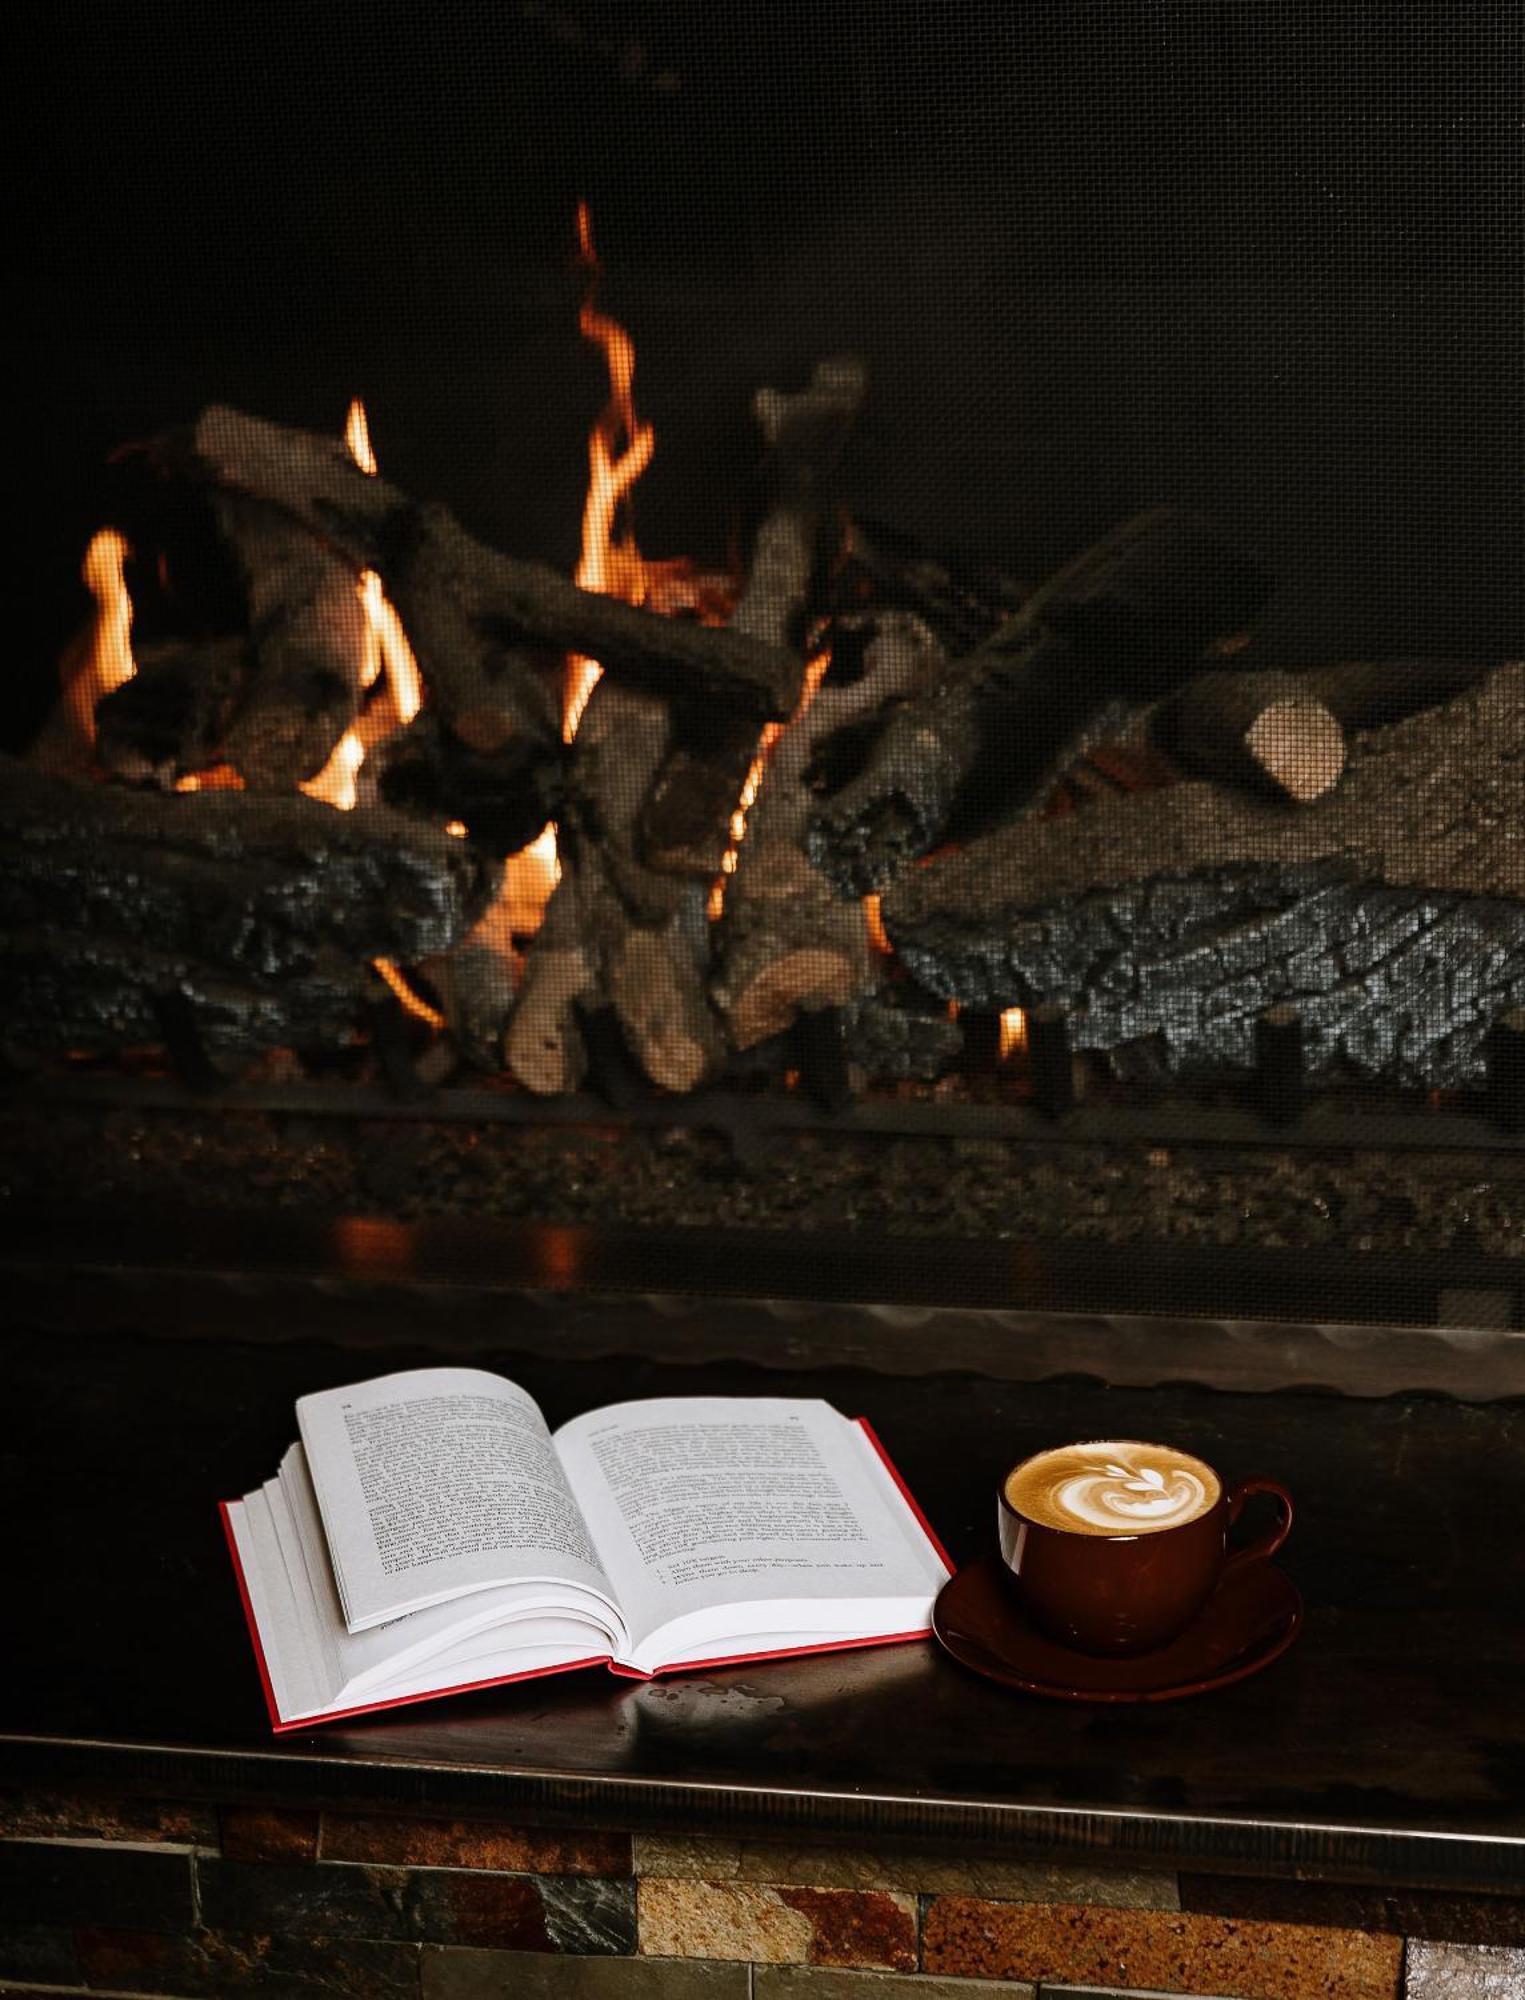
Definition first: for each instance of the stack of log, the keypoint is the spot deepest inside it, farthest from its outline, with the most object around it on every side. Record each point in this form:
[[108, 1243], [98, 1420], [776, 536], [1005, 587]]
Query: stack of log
[[1277, 835]]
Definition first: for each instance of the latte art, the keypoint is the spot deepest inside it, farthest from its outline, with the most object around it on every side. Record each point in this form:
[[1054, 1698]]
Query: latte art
[[1113, 1487]]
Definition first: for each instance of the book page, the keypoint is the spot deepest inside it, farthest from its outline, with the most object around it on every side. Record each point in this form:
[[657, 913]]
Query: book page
[[436, 1482], [707, 1502]]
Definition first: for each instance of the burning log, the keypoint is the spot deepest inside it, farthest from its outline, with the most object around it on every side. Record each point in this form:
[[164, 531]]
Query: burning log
[[308, 639], [502, 797], [259, 887], [685, 823], [470, 612], [1285, 733], [171, 719], [617, 933], [1391, 911], [1123, 623], [787, 944]]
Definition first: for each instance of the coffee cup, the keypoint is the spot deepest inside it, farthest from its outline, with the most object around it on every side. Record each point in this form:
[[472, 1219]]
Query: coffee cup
[[1115, 1546]]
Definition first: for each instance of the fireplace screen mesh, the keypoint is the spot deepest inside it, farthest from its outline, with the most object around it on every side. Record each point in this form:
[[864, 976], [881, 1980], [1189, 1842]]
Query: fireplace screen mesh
[[960, 558]]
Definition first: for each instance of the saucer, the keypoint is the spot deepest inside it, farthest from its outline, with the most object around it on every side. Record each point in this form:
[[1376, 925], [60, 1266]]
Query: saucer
[[1249, 1621]]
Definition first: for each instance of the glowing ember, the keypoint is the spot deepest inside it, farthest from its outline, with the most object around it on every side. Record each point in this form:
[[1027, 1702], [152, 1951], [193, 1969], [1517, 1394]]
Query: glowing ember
[[619, 451], [412, 1002], [873, 917], [815, 673], [1013, 1033], [109, 662], [386, 642]]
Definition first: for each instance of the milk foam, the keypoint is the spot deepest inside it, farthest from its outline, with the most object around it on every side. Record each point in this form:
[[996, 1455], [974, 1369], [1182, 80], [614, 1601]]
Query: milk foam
[[1113, 1487]]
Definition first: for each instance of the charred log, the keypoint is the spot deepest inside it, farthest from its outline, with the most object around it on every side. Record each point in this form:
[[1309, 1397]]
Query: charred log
[[686, 820], [1391, 912], [1267, 731], [1285, 733], [307, 634], [71, 990], [257, 887], [502, 797], [961, 600], [1372, 694], [788, 945], [1122, 624], [475, 983], [171, 719], [471, 613], [685, 823], [618, 933]]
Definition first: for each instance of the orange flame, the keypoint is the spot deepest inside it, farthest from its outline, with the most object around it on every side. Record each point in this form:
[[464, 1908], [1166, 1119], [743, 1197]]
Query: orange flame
[[413, 1003], [815, 673], [336, 784], [620, 447], [1013, 1033], [873, 917], [386, 642], [109, 662]]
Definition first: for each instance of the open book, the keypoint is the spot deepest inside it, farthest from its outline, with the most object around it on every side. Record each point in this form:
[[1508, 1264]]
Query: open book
[[431, 1534]]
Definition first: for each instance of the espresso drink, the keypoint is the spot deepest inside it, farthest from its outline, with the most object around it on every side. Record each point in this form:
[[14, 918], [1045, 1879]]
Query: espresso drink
[[1113, 1488]]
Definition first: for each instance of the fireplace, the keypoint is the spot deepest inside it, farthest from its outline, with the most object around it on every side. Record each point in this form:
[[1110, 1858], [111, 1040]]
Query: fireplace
[[766, 629]]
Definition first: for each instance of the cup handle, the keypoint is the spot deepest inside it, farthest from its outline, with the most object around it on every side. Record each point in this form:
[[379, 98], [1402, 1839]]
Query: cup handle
[[1267, 1544]]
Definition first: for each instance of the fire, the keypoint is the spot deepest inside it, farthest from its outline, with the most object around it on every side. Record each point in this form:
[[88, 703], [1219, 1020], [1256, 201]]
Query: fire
[[109, 662], [1013, 1033], [336, 784], [619, 450], [413, 1003], [873, 917], [815, 673], [386, 642], [528, 880]]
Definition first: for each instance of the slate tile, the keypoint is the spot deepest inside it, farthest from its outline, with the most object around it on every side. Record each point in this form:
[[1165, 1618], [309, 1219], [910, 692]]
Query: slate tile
[[1453, 1917], [719, 1920], [510, 1975], [303, 1899], [858, 1926], [1463, 1972], [91, 1816], [455, 1843], [213, 1965], [84, 1882], [777, 1925], [580, 1914], [258, 1833], [1179, 1953], [692, 1857]]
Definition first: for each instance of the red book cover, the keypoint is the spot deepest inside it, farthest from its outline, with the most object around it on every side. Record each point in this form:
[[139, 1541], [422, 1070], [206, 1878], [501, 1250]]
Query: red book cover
[[594, 1660]]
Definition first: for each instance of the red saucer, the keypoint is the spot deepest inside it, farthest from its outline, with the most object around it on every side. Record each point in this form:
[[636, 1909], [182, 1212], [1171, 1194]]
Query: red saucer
[[1249, 1621]]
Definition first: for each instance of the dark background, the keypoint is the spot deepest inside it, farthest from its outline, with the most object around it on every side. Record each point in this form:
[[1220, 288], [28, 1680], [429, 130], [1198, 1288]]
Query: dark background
[[1263, 259]]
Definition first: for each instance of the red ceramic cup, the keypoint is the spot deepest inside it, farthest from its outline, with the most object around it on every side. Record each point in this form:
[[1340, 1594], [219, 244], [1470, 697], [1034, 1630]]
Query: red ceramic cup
[[1123, 1594]]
